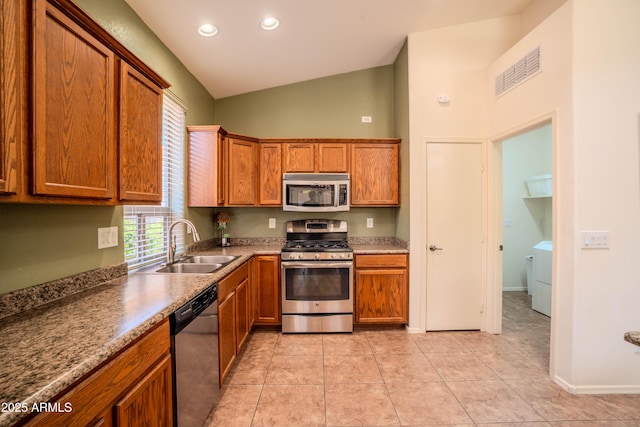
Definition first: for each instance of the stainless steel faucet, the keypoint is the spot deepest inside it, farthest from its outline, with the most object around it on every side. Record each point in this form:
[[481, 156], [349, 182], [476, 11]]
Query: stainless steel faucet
[[171, 253]]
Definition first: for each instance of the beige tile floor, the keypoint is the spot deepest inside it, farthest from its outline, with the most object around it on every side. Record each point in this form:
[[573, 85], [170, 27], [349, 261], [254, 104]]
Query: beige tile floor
[[391, 378]]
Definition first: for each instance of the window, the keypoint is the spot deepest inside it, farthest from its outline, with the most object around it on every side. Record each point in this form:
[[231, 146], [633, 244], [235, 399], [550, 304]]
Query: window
[[146, 227]]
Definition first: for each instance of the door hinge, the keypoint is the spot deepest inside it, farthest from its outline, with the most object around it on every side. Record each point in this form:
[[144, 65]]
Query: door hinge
[[501, 247]]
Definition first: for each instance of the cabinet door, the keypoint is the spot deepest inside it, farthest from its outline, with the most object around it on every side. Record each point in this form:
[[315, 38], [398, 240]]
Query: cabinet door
[[267, 275], [140, 145], [252, 293], [10, 96], [206, 172], [299, 157], [332, 158], [381, 296], [242, 163], [270, 174], [375, 174], [150, 402], [226, 335], [74, 116], [242, 313]]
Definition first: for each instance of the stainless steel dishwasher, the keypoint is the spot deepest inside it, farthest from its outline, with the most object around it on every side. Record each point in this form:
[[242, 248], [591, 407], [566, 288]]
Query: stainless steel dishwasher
[[194, 338]]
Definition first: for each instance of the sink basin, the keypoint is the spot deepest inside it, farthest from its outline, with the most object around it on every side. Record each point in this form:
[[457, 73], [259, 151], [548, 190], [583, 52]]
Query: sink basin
[[190, 268], [196, 264], [208, 259]]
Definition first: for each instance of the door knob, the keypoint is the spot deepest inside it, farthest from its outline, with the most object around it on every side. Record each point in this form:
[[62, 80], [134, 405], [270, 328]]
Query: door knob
[[434, 248]]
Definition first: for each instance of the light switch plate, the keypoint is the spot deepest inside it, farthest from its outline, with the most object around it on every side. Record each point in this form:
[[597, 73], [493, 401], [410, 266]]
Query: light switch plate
[[369, 222], [595, 239], [107, 237], [272, 223]]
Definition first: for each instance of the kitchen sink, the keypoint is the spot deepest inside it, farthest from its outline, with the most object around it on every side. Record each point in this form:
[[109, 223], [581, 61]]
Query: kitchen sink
[[195, 264], [189, 268], [208, 259]]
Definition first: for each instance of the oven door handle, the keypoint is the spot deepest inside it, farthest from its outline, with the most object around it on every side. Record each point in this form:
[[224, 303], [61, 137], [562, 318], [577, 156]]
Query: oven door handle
[[317, 264]]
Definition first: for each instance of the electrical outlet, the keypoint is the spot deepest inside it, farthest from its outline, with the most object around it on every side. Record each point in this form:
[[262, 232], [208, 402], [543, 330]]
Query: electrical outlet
[[369, 222], [366, 119], [107, 237], [272, 223]]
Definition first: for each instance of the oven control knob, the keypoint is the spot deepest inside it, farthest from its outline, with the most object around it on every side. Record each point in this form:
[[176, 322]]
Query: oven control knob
[[316, 256]]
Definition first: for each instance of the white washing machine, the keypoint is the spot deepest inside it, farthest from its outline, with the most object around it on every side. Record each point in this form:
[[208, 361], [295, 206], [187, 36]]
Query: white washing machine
[[541, 293]]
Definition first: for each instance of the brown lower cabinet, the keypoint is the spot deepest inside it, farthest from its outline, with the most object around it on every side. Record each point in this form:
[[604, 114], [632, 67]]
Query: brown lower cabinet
[[234, 300], [132, 389], [267, 284], [249, 295], [381, 289], [226, 335]]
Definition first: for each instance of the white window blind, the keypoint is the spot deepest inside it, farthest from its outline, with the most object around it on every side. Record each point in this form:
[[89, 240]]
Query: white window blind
[[146, 227]]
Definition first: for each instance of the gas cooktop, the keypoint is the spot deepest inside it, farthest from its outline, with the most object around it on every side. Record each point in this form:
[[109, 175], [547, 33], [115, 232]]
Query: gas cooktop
[[317, 240], [316, 245]]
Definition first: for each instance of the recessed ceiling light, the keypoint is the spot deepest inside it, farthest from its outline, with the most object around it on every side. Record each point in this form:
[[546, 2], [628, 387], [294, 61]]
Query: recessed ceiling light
[[207, 30], [269, 23]]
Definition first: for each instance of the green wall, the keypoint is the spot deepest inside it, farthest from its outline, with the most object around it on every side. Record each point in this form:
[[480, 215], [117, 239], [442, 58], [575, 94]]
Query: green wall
[[320, 108], [40, 243], [401, 130]]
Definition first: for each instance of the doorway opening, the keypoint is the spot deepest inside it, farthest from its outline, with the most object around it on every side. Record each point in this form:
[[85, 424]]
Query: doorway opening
[[521, 217]]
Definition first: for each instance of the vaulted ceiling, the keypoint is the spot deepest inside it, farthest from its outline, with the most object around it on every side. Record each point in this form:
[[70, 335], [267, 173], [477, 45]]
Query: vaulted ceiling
[[315, 38]]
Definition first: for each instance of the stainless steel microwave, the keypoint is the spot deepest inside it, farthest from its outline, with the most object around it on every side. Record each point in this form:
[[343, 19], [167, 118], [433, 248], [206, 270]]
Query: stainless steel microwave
[[315, 192]]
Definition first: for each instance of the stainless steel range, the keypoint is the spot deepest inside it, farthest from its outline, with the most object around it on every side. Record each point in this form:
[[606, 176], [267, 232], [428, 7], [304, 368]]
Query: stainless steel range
[[317, 277]]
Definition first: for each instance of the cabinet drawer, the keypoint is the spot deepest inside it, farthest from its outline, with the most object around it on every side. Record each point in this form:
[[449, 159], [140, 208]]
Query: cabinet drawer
[[381, 261], [230, 282]]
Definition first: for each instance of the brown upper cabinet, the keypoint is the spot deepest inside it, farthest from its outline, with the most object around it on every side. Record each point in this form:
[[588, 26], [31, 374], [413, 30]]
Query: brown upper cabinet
[[223, 168], [74, 115], [299, 157], [332, 157], [242, 180], [375, 174], [206, 166], [96, 111], [140, 137], [11, 95], [315, 157], [270, 174]]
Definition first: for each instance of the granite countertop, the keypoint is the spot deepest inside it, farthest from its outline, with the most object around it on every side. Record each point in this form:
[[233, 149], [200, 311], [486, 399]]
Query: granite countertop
[[633, 337], [45, 349], [385, 248]]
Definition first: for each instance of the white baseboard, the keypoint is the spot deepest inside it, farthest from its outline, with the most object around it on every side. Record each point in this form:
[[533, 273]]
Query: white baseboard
[[597, 389], [414, 330], [513, 288]]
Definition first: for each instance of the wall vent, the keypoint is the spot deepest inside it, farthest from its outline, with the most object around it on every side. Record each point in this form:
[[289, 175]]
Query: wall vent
[[519, 72]]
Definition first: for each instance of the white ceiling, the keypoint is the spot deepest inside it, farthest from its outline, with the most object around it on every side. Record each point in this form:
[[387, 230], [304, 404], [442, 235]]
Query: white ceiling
[[316, 38]]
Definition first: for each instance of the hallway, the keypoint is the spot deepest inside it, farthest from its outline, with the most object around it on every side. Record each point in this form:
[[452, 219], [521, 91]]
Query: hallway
[[391, 378]]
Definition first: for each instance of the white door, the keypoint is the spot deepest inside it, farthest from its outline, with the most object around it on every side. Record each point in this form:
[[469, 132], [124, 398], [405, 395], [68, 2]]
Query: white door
[[454, 236]]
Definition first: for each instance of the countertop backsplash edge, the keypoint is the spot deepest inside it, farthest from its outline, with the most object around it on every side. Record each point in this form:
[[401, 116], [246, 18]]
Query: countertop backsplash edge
[[34, 296]]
